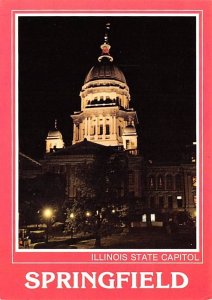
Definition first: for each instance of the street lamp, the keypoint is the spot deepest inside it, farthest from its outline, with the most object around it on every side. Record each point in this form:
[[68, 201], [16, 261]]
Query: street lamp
[[72, 216], [47, 213], [88, 213]]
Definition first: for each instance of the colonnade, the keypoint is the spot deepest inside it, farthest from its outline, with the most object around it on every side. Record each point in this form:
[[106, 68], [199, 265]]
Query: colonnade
[[97, 128]]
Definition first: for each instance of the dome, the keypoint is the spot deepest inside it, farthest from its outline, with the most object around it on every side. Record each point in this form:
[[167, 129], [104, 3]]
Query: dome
[[129, 130], [105, 70], [55, 134]]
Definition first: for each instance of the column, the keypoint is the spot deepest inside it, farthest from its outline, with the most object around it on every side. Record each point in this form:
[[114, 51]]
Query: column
[[111, 126], [104, 127], [74, 134], [86, 127], [79, 131], [115, 125], [89, 127], [96, 130]]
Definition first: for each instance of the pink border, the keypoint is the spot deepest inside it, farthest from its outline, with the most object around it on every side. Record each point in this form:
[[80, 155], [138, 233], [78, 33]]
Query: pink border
[[13, 275], [85, 257]]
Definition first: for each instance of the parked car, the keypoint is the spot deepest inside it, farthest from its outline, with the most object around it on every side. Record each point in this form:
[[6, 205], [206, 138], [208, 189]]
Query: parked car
[[37, 236]]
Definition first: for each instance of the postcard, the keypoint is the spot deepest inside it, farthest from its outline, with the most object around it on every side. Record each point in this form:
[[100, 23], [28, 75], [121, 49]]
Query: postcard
[[106, 140]]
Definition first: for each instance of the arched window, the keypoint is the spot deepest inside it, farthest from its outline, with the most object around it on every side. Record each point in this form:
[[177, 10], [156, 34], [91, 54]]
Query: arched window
[[152, 202], [160, 182], [161, 202], [151, 182], [178, 182], [169, 182], [179, 202], [170, 202]]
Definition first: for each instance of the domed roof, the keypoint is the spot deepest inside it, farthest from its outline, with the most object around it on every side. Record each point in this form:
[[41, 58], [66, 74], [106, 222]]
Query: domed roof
[[54, 134], [105, 69], [129, 130]]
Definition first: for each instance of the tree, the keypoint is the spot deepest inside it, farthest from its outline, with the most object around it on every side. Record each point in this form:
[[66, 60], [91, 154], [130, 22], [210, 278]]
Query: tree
[[36, 193], [98, 206]]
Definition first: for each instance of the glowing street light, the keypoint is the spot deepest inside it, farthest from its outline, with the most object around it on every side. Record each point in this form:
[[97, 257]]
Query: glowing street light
[[72, 216], [88, 213], [47, 213]]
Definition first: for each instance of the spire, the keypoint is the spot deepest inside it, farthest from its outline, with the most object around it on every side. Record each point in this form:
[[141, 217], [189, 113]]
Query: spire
[[54, 139], [106, 46], [55, 123], [107, 28]]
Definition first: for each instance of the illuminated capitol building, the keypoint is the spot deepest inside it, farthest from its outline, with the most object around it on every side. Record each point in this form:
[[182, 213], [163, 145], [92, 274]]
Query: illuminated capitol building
[[105, 117], [106, 124]]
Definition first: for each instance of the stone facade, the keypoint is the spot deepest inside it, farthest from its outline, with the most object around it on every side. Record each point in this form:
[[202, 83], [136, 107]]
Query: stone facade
[[170, 188]]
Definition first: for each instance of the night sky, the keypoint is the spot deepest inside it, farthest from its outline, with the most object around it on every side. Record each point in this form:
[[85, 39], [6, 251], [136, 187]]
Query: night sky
[[156, 54]]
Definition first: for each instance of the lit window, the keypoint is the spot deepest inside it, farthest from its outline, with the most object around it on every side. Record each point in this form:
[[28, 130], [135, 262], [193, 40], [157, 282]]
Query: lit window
[[160, 182], [151, 182], [152, 217], [179, 202], [144, 218]]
